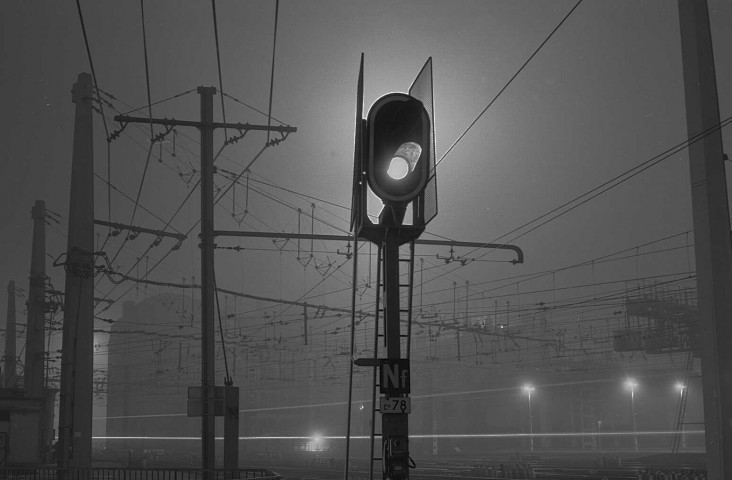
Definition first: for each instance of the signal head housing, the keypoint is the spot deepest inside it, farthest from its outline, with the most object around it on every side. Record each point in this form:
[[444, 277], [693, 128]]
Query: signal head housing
[[398, 148]]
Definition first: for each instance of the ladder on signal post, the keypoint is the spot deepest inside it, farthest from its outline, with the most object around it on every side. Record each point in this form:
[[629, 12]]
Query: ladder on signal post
[[406, 272]]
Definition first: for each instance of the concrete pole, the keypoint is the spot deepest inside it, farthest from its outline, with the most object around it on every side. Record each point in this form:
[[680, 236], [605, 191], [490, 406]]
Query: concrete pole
[[75, 414], [36, 329], [455, 319], [531, 426], [711, 233], [208, 426], [10, 360], [394, 426], [635, 418]]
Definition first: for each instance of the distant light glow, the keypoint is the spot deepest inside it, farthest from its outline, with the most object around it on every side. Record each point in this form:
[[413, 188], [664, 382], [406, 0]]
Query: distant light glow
[[366, 401], [528, 388], [680, 387], [631, 384]]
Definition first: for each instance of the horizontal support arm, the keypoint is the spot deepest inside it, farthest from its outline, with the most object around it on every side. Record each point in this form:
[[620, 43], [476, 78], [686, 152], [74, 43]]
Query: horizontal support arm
[[191, 123], [132, 228], [349, 238]]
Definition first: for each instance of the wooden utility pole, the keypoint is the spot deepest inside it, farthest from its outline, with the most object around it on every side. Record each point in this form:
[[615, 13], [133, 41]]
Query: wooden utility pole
[[9, 361], [36, 329], [206, 125], [711, 233], [77, 356]]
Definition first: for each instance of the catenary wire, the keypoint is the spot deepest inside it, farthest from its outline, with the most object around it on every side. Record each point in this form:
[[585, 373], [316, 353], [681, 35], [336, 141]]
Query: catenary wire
[[541, 45], [218, 62]]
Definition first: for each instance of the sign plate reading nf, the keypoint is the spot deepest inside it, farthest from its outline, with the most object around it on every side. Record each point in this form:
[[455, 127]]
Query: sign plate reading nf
[[394, 376], [396, 405]]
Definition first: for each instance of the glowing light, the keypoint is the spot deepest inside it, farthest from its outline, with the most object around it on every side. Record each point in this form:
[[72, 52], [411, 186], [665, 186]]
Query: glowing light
[[680, 387], [528, 388], [631, 384], [404, 160], [398, 168]]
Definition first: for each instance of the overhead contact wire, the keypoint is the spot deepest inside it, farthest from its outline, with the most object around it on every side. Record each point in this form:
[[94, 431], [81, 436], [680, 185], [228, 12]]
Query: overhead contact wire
[[91, 66], [218, 63], [147, 69], [509, 81], [271, 76]]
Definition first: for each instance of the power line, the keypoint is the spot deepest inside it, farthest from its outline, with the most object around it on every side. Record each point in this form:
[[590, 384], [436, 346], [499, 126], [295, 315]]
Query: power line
[[174, 248], [218, 64], [605, 186], [597, 260], [137, 201], [271, 77], [177, 95], [252, 108], [619, 179], [116, 189], [91, 63], [147, 70], [509, 81]]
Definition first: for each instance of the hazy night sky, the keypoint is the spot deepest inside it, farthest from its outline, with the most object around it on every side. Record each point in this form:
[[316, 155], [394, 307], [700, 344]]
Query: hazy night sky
[[603, 95]]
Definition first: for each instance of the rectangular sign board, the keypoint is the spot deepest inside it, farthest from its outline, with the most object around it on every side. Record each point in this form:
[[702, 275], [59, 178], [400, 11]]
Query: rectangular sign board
[[195, 407], [396, 405], [394, 376]]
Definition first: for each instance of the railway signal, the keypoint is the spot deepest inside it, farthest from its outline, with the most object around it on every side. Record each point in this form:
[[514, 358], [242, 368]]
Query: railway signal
[[398, 133]]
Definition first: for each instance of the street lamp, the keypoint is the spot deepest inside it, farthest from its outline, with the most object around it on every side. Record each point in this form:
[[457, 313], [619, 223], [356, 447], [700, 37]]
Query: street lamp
[[632, 385], [528, 389], [681, 387]]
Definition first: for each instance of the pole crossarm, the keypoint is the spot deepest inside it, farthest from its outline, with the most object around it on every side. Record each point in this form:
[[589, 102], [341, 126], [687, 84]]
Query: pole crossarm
[[206, 127], [499, 246], [132, 228], [306, 236], [349, 238], [190, 123]]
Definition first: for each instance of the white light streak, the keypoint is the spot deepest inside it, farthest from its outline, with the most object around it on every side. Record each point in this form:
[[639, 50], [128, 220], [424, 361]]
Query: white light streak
[[445, 435]]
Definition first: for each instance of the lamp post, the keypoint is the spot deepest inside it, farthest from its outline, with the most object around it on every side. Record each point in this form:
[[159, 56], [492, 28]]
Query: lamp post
[[529, 389], [681, 387], [632, 384]]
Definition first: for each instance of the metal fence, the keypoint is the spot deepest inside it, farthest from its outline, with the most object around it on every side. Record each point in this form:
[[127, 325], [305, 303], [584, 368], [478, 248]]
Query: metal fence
[[116, 473]]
